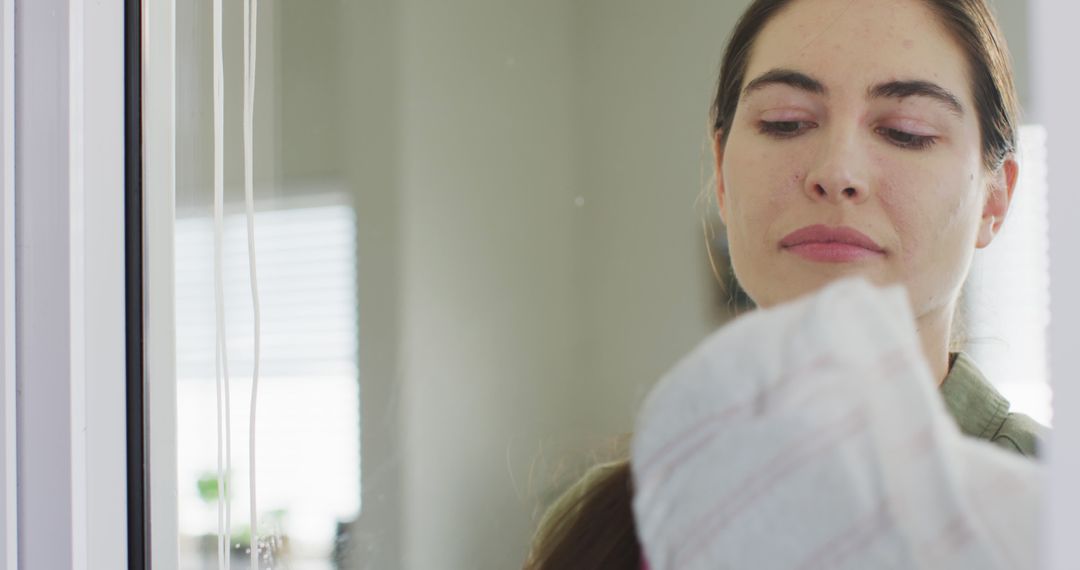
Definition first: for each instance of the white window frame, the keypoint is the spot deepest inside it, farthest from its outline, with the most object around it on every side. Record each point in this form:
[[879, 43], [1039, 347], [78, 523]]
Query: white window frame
[[63, 274], [159, 208], [8, 489], [1055, 88]]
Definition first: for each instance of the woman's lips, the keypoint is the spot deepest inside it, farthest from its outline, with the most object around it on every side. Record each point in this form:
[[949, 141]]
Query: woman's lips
[[833, 245]]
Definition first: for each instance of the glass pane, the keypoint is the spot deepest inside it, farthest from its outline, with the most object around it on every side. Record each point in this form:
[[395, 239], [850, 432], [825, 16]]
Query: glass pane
[[308, 407], [480, 243]]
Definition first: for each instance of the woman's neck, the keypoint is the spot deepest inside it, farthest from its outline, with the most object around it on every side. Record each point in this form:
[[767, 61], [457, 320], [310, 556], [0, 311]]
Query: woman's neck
[[934, 329]]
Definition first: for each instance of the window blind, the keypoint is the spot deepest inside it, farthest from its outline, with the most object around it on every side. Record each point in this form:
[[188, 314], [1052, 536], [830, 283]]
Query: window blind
[[308, 388]]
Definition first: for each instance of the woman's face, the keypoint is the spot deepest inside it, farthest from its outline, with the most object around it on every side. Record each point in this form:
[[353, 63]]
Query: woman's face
[[857, 116]]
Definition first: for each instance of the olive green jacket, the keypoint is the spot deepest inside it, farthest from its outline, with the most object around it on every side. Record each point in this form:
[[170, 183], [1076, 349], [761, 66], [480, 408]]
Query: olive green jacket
[[982, 412], [979, 409]]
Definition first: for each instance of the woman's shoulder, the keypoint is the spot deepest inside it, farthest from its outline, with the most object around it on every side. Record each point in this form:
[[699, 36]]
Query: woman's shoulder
[[981, 411], [1022, 434]]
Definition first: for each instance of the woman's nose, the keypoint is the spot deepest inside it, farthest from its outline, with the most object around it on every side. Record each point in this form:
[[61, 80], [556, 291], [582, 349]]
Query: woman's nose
[[838, 174], [838, 192]]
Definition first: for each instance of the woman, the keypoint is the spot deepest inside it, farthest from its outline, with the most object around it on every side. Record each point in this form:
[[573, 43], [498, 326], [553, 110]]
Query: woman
[[850, 138]]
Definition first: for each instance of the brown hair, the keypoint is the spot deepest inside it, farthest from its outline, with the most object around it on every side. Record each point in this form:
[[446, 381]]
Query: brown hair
[[597, 530]]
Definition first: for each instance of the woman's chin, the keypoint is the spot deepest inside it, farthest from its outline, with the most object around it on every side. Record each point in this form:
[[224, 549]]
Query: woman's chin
[[800, 283]]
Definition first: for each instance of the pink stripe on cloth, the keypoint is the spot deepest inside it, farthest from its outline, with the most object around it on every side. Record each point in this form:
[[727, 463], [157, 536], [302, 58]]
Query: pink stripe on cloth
[[644, 563]]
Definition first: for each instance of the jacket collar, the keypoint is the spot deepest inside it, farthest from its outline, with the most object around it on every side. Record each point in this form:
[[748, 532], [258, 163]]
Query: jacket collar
[[979, 409]]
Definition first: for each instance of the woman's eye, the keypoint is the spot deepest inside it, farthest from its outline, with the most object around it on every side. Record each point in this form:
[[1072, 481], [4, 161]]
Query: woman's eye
[[905, 139], [783, 129]]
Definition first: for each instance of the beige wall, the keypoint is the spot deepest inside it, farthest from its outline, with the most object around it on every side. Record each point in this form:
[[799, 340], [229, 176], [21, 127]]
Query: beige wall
[[644, 83], [488, 241]]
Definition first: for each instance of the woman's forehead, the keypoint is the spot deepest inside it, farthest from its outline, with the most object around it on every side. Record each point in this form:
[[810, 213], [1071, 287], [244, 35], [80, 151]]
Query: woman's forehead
[[852, 45]]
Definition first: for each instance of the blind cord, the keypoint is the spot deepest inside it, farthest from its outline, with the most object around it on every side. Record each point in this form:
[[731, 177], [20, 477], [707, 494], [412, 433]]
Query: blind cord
[[224, 443], [224, 433], [251, 27]]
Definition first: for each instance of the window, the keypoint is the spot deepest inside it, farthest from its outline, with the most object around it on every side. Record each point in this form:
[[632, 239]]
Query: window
[[1008, 291], [307, 417]]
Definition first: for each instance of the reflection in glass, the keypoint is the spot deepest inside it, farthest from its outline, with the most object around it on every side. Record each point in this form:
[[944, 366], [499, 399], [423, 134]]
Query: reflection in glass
[[517, 238], [308, 425]]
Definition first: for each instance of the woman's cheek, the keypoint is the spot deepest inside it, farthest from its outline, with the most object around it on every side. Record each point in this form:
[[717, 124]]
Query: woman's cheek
[[765, 178], [898, 196], [941, 201]]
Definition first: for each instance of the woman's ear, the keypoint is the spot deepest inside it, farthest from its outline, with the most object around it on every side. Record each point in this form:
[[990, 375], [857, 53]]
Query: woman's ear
[[718, 163], [1002, 184]]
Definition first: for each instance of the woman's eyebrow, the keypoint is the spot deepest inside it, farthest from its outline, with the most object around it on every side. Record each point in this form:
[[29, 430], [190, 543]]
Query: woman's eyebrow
[[917, 88], [890, 89], [787, 77]]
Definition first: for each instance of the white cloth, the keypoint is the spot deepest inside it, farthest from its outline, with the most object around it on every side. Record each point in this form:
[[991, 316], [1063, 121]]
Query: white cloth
[[811, 435]]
